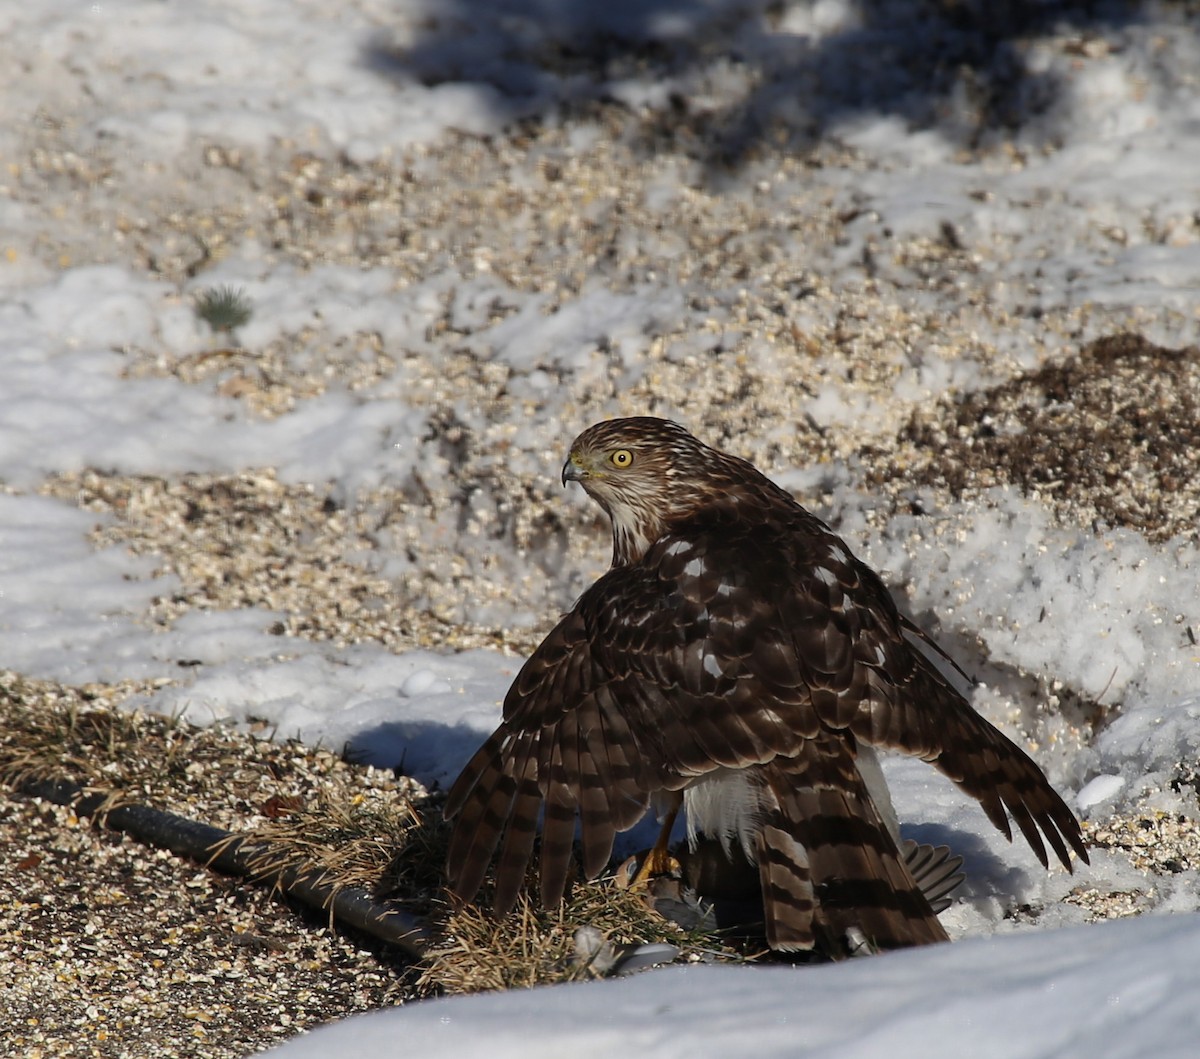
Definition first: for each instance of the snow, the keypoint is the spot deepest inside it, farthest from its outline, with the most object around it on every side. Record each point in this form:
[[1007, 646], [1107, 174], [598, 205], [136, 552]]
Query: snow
[[1112, 599], [1111, 162], [1117, 989], [1145, 742]]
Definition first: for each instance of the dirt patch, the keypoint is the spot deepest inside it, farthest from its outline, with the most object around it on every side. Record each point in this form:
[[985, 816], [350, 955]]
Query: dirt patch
[[1109, 438]]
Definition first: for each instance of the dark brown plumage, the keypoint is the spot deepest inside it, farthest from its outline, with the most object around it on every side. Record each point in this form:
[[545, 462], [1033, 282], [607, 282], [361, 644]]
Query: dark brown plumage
[[738, 659]]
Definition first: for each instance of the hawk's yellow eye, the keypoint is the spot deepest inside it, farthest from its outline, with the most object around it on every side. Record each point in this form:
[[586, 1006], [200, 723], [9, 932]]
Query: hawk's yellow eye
[[621, 458]]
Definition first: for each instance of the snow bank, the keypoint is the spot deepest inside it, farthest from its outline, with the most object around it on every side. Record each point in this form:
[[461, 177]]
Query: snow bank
[[1122, 989]]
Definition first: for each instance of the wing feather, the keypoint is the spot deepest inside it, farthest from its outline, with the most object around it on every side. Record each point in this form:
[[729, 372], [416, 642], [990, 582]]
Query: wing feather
[[743, 637]]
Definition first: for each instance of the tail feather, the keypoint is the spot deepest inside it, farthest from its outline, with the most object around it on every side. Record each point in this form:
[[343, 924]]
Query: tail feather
[[788, 898], [857, 880], [935, 869]]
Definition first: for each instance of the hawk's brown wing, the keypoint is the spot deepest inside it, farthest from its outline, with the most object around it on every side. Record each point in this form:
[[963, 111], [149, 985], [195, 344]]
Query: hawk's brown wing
[[664, 670], [732, 643], [565, 747], [865, 675]]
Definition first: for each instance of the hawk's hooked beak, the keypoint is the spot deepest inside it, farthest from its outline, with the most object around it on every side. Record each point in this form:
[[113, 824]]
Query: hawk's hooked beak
[[572, 471]]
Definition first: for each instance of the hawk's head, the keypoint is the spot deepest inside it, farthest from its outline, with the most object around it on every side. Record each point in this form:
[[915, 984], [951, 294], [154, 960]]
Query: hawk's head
[[646, 473]]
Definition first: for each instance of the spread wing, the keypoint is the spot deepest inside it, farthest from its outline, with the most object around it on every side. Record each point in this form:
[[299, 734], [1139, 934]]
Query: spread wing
[[875, 683], [565, 748], [663, 671], [728, 645]]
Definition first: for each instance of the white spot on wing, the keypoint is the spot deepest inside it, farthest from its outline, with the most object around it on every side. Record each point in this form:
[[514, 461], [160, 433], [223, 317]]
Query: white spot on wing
[[694, 568], [712, 666]]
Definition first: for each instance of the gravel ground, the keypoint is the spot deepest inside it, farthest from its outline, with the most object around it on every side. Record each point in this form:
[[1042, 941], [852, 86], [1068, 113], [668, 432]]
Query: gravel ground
[[111, 947]]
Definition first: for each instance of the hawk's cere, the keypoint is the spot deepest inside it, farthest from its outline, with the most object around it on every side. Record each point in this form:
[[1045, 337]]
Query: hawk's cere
[[737, 659]]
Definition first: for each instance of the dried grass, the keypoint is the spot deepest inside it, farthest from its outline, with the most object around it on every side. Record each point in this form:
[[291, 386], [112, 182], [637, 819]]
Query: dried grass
[[51, 732], [536, 946], [332, 842], [295, 807], [304, 810]]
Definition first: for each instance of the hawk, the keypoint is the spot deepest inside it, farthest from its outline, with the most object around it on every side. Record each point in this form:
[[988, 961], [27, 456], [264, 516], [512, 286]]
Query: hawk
[[739, 662]]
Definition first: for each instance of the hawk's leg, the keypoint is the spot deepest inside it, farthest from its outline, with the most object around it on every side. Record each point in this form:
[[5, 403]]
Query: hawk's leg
[[659, 860]]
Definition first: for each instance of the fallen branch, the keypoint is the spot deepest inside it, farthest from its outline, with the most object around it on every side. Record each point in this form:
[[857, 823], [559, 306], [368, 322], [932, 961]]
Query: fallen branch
[[232, 854]]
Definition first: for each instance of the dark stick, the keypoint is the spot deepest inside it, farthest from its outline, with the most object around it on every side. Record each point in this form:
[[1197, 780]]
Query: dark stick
[[225, 851]]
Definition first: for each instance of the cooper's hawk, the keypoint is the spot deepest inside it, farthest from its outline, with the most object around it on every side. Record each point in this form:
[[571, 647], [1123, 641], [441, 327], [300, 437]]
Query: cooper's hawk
[[737, 659]]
